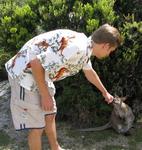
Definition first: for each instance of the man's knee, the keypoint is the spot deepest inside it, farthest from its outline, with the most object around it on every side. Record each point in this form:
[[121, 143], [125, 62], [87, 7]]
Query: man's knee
[[36, 132], [50, 117]]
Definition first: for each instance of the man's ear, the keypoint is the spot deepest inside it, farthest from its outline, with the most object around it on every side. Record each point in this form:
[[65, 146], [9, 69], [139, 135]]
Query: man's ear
[[106, 45], [102, 45], [115, 95]]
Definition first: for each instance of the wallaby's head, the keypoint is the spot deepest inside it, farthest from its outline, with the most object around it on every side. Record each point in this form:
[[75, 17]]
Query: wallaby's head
[[120, 107]]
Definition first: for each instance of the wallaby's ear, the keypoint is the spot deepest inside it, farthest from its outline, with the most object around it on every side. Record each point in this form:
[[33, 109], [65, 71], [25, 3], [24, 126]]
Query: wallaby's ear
[[115, 95], [123, 98]]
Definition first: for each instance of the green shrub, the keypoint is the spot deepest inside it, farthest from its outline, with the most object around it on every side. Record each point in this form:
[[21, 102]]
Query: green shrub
[[129, 62], [129, 7], [4, 56], [17, 25]]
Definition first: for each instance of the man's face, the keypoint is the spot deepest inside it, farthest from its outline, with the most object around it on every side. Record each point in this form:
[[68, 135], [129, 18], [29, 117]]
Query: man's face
[[103, 50]]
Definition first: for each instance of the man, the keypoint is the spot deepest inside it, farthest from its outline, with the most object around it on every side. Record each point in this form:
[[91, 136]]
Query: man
[[47, 58]]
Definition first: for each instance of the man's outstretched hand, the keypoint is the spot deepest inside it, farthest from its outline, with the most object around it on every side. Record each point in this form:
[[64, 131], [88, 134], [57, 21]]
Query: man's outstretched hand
[[108, 97]]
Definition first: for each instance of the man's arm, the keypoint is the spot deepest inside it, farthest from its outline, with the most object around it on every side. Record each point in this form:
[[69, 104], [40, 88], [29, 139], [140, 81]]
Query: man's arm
[[92, 77], [39, 76]]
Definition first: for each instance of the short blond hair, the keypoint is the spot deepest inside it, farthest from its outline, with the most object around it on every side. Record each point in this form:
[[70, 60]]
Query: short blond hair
[[107, 34]]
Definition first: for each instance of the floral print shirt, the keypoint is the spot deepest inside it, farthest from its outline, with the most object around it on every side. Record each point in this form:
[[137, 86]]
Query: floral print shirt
[[61, 52]]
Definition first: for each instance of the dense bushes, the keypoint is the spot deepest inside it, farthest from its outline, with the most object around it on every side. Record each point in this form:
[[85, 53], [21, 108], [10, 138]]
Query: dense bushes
[[17, 26], [77, 99]]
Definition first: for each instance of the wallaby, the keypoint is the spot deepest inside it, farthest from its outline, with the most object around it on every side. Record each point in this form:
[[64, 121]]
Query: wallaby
[[121, 120]]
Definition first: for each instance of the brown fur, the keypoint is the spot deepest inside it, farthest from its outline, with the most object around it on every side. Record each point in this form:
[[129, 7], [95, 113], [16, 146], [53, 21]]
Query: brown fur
[[121, 120]]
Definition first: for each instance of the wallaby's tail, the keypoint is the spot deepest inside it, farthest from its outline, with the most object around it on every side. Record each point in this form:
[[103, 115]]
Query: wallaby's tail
[[106, 126]]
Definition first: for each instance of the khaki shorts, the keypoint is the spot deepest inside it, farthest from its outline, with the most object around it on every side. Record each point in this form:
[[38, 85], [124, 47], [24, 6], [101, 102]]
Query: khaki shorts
[[25, 107]]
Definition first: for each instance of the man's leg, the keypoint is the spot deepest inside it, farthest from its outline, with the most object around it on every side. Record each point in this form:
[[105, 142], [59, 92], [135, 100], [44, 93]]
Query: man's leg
[[34, 139], [50, 130]]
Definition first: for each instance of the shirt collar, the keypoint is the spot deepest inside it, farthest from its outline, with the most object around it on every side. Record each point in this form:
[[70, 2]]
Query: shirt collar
[[89, 46]]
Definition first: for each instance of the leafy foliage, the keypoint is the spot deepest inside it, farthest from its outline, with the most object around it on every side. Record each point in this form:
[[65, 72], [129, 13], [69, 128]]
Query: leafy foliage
[[17, 25]]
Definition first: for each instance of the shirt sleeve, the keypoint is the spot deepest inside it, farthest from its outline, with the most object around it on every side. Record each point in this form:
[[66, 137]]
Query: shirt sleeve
[[88, 65]]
